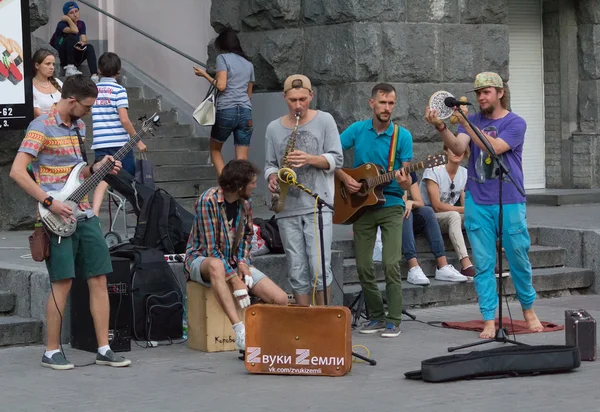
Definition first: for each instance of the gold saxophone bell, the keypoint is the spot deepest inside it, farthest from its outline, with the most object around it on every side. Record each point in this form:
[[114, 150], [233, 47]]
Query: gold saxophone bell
[[285, 173]]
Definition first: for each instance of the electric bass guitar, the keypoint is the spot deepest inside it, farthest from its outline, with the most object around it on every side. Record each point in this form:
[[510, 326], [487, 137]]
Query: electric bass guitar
[[349, 207], [74, 189]]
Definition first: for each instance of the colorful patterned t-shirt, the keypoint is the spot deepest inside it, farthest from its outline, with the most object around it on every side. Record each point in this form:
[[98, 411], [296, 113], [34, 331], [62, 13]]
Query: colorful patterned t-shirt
[[56, 151]]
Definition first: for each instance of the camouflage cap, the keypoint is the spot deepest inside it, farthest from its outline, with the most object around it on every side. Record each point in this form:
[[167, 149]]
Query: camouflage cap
[[488, 79]]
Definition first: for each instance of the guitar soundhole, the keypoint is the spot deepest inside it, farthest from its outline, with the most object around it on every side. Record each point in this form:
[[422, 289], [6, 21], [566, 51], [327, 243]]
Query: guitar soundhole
[[364, 189]]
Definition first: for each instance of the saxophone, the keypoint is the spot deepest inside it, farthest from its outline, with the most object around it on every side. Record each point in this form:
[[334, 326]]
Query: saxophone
[[285, 172]]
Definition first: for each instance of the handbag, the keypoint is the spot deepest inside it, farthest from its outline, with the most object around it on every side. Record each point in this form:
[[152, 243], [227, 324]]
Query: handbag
[[206, 113], [39, 244], [144, 175]]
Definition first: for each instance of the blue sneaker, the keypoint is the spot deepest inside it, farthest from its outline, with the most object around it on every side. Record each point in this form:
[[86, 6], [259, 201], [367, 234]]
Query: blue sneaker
[[373, 326], [391, 331]]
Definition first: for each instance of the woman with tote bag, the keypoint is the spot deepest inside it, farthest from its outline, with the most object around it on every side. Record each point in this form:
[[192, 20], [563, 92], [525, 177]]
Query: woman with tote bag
[[233, 83]]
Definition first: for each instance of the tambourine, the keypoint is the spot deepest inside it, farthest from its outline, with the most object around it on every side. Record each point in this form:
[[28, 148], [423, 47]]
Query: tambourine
[[436, 101]]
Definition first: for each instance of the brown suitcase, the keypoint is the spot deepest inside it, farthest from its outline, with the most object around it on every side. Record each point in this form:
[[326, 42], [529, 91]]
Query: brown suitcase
[[580, 331], [298, 340]]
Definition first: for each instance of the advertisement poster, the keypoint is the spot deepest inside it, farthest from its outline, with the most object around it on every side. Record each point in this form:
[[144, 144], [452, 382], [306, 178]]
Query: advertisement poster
[[16, 103]]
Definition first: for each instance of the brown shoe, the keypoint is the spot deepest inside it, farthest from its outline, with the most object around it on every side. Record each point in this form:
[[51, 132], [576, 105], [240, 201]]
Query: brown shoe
[[468, 271]]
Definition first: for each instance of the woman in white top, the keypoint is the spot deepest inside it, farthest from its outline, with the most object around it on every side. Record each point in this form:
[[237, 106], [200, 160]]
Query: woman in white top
[[441, 188], [46, 88]]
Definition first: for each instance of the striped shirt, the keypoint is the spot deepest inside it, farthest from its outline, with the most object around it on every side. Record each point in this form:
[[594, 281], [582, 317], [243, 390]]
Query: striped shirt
[[210, 232], [55, 148], [107, 127]]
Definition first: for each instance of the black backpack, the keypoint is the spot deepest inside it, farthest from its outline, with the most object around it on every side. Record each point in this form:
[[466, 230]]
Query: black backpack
[[156, 294], [269, 231], [162, 223]]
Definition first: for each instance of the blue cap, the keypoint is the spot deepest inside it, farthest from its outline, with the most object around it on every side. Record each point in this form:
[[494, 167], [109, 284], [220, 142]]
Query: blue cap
[[68, 6]]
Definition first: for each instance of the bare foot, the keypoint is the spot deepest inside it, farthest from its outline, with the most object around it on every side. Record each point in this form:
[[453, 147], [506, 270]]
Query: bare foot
[[489, 329], [533, 323]]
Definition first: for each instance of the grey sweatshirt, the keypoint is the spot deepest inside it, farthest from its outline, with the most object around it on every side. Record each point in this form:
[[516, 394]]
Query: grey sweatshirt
[[320, 136]]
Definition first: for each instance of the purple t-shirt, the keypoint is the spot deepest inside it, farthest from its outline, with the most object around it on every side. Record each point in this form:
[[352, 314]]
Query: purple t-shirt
[[483, 180]]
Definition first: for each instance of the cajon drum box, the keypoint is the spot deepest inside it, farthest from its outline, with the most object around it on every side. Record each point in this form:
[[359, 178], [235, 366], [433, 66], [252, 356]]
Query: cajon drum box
[[209, 329], [298, 340]]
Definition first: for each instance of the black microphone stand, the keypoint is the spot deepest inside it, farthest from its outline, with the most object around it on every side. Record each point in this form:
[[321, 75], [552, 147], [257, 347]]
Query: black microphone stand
[[320, 204], [501, 333]]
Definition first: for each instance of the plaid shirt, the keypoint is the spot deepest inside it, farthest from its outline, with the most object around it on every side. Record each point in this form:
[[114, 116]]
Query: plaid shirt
[[209, 236]]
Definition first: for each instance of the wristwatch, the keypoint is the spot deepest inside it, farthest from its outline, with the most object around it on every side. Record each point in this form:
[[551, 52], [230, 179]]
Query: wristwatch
[[48, 202]]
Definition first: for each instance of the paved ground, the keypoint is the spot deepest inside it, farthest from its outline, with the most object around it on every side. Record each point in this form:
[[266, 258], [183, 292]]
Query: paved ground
[[178, 379]]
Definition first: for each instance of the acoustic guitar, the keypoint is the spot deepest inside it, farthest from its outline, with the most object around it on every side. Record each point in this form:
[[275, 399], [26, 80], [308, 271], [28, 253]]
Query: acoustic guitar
[[349, 207]]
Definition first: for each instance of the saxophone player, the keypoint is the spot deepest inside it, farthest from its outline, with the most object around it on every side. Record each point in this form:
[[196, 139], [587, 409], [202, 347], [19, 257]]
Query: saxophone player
[[307, 142]]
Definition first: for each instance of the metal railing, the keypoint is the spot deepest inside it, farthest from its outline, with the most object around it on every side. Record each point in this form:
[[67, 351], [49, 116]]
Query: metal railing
[[143, 33]]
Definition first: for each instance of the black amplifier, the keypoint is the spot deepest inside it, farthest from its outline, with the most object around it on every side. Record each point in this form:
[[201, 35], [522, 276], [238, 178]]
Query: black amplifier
[[83, 335], [580, 331]]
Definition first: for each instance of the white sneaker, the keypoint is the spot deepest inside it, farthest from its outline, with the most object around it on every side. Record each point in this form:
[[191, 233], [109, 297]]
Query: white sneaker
[[71, 70], [449, 274], [95, 78], [417, 277], [240, 339]]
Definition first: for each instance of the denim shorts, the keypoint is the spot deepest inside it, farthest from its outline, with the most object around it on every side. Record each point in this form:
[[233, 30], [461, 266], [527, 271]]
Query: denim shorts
[[128, 161], [236, 120]]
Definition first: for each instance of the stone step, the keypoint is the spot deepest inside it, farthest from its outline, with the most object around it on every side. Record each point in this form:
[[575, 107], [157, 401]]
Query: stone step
[[173, 130], [166, 117], [15, 330], [347, 245], [161, 143], [7, 302], [183, 173], [187, 202], [558, 197], [165, 130], [547, 282], [540, 257], [134, 92], [144, 106], [171, 157], [186, 189]]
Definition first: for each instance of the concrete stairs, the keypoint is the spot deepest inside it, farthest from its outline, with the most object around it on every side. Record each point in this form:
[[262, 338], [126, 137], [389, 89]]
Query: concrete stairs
[[550, 275], [16, 330], [181, 161]]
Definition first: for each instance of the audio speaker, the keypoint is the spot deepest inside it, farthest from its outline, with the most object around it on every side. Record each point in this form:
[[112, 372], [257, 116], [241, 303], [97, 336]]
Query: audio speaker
[[83, 334]]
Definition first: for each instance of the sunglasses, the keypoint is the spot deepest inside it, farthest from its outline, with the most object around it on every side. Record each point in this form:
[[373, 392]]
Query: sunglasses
[[452, 189]]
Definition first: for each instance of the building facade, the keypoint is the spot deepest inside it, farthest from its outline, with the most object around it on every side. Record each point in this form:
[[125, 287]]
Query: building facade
[[546, 50]]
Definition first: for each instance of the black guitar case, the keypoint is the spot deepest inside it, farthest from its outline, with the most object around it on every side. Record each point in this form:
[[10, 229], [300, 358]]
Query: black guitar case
[[501, 362]]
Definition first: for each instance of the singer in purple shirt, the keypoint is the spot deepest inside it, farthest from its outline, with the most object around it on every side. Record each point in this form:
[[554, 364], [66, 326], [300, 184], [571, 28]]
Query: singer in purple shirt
[[505, 132]]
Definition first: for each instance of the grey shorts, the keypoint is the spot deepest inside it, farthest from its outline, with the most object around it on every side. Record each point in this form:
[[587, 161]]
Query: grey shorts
[[195, 275]]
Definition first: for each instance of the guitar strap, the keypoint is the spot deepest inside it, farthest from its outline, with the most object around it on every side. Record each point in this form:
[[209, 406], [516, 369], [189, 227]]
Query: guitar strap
[[393, 149], [81, 147]]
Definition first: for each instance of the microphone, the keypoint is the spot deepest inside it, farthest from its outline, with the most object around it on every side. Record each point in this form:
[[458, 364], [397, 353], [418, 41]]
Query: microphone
[[452, 102]]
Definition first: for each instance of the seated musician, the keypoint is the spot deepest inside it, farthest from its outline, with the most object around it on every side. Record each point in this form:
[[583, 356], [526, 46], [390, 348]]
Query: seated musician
[[218, 250], [373, 141]]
